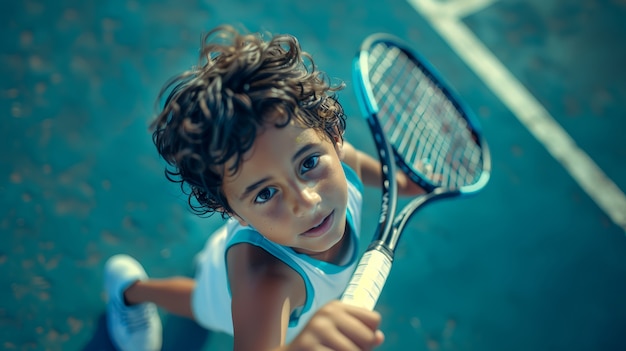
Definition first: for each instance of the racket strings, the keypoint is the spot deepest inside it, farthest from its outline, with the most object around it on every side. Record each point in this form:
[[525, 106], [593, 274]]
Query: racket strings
[[421, 122]]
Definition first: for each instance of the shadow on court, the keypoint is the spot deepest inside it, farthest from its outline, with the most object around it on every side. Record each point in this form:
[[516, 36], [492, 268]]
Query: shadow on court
[[179, 334]]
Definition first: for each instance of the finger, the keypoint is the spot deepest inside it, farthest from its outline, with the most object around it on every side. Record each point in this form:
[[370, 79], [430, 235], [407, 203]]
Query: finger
[[380, 337], [345, 327], [370, 318], [323, 331], [339, 342], [359, 333]]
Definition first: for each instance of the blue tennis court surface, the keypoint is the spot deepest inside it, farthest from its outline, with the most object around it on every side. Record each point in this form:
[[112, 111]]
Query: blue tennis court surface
[[537, 261]]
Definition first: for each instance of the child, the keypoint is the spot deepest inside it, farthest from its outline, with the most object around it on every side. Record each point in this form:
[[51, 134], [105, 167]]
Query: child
[[255, 134]]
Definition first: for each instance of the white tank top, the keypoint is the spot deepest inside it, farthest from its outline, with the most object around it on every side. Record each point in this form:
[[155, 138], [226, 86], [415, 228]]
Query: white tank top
[[324, 281]]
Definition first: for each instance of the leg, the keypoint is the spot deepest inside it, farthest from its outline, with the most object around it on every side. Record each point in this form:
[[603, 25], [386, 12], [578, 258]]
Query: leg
[[171, 294]]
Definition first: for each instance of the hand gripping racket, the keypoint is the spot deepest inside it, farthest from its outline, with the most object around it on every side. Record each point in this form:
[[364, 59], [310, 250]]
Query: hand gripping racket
[[420, 125]]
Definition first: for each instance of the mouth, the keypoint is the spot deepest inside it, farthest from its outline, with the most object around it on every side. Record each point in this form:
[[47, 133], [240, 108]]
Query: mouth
[[321, 228]]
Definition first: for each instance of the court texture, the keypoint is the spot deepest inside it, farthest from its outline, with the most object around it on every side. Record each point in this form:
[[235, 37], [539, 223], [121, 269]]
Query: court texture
[[536, 261]]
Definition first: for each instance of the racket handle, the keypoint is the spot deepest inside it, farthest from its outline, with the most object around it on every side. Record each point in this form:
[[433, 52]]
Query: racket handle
[[368, 280]]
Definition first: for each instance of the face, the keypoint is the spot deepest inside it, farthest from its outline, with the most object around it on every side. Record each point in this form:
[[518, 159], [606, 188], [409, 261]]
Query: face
[[291, 188]]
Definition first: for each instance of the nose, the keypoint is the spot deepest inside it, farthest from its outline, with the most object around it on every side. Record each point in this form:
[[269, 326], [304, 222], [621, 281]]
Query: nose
[[305, 200]]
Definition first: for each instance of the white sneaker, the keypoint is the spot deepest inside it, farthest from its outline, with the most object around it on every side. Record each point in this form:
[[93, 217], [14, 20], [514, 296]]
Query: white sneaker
[[131, 328]]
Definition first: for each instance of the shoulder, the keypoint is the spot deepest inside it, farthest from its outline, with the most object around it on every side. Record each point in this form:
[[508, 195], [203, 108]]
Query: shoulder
[[253, 271], [365, 166], [250, 258]]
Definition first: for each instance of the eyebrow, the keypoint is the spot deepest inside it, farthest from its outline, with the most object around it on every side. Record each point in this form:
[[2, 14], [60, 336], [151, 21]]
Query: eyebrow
[[252, 187], [304, 149]]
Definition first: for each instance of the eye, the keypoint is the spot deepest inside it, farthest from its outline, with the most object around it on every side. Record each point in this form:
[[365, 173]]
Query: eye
[[310, 163], [264, 195]]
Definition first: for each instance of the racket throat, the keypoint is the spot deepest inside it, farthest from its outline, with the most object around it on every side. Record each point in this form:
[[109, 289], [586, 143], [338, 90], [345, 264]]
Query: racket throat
[[379, 245]]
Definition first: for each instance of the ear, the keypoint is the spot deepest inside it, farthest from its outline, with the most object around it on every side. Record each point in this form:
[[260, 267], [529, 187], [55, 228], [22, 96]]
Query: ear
[[339, 148], [234, 216], [240, 220]]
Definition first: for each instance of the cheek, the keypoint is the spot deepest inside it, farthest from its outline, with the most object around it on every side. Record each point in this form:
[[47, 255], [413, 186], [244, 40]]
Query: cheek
[[337, 186], [265, 218]]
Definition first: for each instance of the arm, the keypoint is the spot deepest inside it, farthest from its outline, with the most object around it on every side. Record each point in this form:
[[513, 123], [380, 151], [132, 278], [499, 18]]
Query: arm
[[369, 170], [264, 293]]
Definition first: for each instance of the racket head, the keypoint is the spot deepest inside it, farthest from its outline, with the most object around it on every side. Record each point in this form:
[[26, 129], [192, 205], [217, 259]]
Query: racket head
[[436, 140]]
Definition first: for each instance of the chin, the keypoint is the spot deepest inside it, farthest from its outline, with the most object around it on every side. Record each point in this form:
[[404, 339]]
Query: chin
[[335, 237], [323, 244]]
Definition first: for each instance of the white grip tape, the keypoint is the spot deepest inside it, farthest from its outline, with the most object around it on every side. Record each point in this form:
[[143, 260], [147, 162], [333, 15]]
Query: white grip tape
[[368, 280]]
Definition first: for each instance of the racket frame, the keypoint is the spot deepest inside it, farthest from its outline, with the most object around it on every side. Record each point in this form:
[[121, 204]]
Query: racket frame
[[375, 265], [370, 109]]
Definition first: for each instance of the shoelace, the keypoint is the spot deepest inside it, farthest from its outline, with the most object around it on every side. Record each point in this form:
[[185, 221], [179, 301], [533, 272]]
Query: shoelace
[[134, 318]]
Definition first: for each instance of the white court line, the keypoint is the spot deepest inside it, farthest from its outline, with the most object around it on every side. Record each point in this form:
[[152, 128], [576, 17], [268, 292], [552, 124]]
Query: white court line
[[445, 17]]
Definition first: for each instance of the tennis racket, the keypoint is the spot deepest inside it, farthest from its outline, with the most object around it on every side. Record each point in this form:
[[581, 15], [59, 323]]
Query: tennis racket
[[421, 126]]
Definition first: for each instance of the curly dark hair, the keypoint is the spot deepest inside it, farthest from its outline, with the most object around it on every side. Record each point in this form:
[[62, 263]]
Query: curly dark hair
[[213, 112]]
